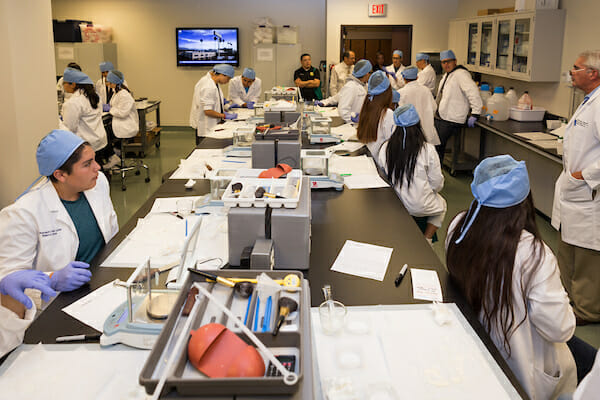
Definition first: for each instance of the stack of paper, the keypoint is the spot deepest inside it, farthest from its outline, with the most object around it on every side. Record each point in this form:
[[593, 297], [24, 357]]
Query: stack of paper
[[202, 161], [327, 111], [358, 172], [346, 131], [224, 130]]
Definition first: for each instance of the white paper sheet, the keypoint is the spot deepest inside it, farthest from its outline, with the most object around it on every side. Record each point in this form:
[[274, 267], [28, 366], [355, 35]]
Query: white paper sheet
[[327, 111], [225, 130], [363, 259], [535, 136], [346, 146], [364, 182], [94, 308], [195, 166], [168, 204], [358, 172], [346, 131], [73, 371], [426, 285], [546, 144]]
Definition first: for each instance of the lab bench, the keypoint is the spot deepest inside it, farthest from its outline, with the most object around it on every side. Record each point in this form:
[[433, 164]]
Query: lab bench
[[373, 216]]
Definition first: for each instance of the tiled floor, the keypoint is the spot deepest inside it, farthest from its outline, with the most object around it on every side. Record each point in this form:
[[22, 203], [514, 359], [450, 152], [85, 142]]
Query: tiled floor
[[177, 143]]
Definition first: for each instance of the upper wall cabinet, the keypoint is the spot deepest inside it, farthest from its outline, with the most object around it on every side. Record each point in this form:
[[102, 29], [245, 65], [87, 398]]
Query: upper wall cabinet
[[524, 45]]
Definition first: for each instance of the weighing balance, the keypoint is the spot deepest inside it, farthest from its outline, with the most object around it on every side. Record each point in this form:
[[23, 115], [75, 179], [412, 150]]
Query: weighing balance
[[315, 164], [319, 130]]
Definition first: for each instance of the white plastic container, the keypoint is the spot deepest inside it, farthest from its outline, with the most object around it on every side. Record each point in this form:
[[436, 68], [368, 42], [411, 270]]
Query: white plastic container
[[512, 97], [537, 114], [485, 94], [250, 182], [498, 107], [525, 102]]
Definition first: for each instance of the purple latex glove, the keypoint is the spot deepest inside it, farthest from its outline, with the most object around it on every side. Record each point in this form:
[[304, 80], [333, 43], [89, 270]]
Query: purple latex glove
[[354, 118], [71, 277], [230, 115], [250, 105], [234, 105], [471, 121], [319, 103], [225, 101], [15, 283], [106, 107], [392, 74]]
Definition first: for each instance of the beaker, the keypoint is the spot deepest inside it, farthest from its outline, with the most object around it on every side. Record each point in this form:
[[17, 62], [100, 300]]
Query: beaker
[[332, 315]]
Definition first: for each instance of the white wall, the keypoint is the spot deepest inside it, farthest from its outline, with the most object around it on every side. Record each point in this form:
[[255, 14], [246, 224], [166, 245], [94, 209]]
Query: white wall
[[28, 103], [581, 33], [144, 31], [429, 19]]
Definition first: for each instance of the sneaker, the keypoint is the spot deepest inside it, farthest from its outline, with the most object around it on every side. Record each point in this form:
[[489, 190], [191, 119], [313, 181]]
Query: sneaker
[[112, 161]]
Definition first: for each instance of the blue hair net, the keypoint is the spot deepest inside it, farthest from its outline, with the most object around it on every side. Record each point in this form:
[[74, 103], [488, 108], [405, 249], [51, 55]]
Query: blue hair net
[[410, 73], [405, 116], [498, 182], [55, 149], [115, 77], [422, 56], [395, 96], [361, 68], [106, 66], [224, 69], [398, 53], [249, 73], [74, 76], [378, 83], [447, 54]]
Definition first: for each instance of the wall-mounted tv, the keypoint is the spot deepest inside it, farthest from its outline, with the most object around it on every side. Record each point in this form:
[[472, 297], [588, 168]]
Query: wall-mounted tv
[[201, 47]]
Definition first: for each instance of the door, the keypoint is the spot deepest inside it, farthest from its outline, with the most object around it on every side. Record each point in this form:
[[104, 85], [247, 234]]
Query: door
[[367, 40]]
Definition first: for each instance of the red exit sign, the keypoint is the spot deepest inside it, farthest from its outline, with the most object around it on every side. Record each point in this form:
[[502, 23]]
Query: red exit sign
[[377, 9]]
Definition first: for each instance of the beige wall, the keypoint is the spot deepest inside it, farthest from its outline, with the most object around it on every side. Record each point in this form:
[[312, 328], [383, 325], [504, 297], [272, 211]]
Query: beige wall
[[581, 32], [144, 31], [429, 19], [28, 102]]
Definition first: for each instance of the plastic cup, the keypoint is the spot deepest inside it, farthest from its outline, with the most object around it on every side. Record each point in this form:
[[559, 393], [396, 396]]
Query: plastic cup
[[184, 207], [332, 315]]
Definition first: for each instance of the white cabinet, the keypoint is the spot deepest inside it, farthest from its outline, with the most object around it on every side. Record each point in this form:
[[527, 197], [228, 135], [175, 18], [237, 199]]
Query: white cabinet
[[87, 55], [275, 63], [524, 45]]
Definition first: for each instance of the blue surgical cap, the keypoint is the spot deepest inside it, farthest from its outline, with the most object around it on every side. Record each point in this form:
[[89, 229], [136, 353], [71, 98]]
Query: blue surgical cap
[[249, 73], [224, 69], [106, 66], [422, 56], [361, 68], [378, 83], [73, 76], [55, 149], [410, 73], [395, 96], [498, 182], [446, 55], [115, 77], [398, 53], [406, 115]]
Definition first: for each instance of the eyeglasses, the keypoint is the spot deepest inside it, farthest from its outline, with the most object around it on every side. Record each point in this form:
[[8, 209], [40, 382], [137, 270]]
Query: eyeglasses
[[577, 69]]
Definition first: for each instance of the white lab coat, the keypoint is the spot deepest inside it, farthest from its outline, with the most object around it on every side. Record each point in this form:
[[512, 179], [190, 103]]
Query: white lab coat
[[419, 96], [238, 94], [576, 208], [331, 100], [126, 121], [61, 88], [539, 356], [351, 98], [86, 122], [12, 328], [207, 96], [460, 95], [102, 89], [426, 77], [36, 232], [399, 81], [589, 387], [339, 74], [422, 198], [385, 129]]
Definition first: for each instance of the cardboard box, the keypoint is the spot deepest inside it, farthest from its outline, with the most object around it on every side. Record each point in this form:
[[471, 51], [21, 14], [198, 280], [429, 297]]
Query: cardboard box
[[507, 10], [488, 11]]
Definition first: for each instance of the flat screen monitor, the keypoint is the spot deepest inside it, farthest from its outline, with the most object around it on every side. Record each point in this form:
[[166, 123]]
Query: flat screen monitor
[[200, 47]]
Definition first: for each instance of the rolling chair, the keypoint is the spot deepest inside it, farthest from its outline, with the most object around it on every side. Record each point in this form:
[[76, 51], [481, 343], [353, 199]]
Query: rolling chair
[[133, 164]]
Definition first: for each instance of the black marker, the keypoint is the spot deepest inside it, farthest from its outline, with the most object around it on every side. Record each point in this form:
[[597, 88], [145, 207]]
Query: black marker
[[401, 275]]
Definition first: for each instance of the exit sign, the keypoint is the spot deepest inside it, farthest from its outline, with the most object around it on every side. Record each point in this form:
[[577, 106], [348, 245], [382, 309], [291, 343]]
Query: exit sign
[[377, 9]]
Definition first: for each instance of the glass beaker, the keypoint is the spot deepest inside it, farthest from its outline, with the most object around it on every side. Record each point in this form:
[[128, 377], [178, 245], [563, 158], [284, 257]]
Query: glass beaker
[[332, 315]]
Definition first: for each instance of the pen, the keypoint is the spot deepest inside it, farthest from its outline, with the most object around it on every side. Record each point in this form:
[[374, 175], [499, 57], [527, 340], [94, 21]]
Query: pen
[[76, 338], [238, 162], [401, 275], [345, 174], [177, 215]]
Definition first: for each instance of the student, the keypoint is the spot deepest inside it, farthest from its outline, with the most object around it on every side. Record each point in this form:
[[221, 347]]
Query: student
[[101, 86], [207, 103], [17, 309], [59, 225], [352, 94], [418, 95], [426, 75], [245, 90], [82, 113], [413, 167], [125, 121], [62, 95], [376, 119], [511, 280], [394, 70]]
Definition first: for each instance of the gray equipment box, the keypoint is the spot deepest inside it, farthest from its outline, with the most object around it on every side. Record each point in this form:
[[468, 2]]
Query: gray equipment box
[[281, 117], [267, 153], [289, 229]]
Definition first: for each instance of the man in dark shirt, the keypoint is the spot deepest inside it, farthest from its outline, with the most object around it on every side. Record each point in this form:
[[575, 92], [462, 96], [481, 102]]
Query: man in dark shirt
[[307, 78]]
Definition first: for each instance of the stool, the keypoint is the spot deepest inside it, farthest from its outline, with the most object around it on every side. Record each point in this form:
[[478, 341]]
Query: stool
[[131, 165]]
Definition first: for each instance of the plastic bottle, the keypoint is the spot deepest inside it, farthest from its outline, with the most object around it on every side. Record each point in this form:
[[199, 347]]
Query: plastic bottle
[[512, 98], [485, 94], [525, 102], [498, 107]]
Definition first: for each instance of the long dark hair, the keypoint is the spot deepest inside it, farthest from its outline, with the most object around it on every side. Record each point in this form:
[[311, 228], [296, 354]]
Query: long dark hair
[[121, 86], [401, 161], [371, 113], [482, 264], [90, 92]]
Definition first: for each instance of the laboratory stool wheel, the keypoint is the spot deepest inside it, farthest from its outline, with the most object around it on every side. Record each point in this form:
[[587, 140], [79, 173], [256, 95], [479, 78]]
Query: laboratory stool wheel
[[129, 164]]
